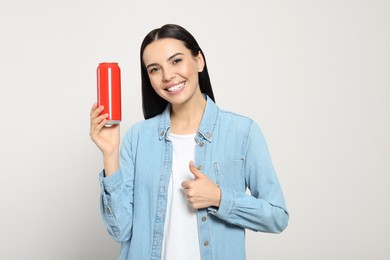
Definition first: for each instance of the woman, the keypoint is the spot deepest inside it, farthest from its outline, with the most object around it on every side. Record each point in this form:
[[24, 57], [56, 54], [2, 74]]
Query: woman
[[179, 191]]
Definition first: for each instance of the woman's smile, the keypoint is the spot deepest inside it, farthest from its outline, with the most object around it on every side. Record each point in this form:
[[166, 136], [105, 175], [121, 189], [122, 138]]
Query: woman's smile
[[176, 88]]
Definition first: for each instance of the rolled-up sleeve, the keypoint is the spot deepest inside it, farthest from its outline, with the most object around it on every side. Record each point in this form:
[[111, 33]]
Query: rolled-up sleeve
[[116, 203]]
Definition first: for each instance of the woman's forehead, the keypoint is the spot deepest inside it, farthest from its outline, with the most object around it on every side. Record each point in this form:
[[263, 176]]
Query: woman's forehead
[[162, 49]]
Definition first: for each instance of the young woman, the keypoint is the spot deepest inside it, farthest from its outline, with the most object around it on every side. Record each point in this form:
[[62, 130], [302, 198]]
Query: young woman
[[177, 188]]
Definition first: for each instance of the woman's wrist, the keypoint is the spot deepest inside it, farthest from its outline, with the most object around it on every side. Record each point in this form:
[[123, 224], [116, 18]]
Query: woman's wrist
[[111, 163], [218, 197]]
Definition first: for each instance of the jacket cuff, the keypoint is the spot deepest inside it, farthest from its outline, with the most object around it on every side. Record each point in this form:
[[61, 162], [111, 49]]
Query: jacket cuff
[[227, 202], [110, 183]]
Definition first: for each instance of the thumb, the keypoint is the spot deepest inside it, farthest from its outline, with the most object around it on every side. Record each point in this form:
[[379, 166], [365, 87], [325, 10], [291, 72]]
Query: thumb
[[195, 171]]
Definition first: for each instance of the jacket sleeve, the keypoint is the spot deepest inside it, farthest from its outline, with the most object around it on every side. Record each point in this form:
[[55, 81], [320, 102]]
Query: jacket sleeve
[[116, 200], [264, 209]]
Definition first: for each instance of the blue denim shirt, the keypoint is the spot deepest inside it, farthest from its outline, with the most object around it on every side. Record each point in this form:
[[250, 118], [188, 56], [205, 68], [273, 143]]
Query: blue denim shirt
[[230, 150]]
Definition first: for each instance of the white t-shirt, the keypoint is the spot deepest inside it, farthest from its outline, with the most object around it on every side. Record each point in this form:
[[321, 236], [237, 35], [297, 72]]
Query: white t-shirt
[[181, 239]]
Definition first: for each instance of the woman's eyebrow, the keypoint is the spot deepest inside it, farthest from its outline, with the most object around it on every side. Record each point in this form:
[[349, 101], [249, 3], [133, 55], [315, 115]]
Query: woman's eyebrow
[[174, 55], [170, 58]]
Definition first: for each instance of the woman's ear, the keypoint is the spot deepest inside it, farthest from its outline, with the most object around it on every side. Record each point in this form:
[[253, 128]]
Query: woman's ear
[[200, 61]]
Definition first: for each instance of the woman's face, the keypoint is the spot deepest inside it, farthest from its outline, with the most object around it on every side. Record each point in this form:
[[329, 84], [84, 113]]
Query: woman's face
[[173, 70]]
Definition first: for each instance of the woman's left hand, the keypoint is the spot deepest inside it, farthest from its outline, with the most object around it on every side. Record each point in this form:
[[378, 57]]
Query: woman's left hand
[[201, 192]]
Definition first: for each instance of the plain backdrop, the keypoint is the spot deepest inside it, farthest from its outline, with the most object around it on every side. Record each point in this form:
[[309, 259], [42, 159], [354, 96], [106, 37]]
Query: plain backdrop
[[314, 74]]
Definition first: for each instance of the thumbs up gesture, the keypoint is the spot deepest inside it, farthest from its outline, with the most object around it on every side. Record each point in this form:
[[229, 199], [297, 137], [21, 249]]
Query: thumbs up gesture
[[201, 192]]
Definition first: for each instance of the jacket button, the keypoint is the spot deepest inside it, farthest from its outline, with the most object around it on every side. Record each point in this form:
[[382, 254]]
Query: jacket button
[[162, 189], [199, 167], [162, 133], [201, 144], [204, 219], [206, 243]]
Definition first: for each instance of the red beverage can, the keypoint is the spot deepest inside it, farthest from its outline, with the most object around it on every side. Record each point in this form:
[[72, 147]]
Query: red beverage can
[[109, 91]]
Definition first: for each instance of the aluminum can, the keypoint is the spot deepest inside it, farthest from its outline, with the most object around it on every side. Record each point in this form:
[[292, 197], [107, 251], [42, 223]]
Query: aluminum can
[[109, 91]]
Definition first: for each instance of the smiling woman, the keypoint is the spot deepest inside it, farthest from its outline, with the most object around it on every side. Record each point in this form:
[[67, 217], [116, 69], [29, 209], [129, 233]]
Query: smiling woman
[[153, 104], [173, 73], [177, 189]]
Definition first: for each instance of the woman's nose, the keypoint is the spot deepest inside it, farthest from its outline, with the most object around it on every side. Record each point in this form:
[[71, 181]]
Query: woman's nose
[[168, 74]]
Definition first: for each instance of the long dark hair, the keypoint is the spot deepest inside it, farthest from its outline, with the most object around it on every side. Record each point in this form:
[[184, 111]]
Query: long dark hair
[[152, 103]]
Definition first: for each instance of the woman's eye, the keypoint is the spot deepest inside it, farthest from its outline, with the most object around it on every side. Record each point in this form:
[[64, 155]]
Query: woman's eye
[[153, 70], [175, 61]]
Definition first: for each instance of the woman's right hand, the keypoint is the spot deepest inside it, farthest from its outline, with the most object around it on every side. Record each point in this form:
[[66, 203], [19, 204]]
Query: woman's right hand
[[107, 139]]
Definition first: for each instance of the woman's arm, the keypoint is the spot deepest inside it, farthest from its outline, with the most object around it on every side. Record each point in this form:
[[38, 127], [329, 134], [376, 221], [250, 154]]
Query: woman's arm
[[117, 196], [264, 209], [116, 183], [106, 139]]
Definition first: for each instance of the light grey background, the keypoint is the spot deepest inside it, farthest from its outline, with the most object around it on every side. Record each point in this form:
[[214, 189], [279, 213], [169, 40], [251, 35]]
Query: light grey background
[[314, 74]]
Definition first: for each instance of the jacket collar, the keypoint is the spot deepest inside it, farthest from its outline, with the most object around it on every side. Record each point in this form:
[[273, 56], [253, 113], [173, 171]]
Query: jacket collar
[[206, 127]]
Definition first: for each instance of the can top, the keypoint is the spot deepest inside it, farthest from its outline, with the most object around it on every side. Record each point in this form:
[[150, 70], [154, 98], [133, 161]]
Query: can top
[[108, 63]]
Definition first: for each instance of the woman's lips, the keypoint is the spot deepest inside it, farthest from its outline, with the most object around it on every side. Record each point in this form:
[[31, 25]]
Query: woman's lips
[[176, 88]]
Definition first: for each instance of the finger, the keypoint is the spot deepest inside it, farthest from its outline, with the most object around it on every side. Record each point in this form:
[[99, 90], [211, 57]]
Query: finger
[[193, 203], [97, 124], [186, 184], [195, 170], [94, 106], [101, 124], [185, 191], [96, 121], [95, 112]]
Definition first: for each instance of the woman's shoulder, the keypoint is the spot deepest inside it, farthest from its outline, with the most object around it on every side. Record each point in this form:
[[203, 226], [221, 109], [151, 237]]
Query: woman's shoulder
[[239, 125], [234, 118]]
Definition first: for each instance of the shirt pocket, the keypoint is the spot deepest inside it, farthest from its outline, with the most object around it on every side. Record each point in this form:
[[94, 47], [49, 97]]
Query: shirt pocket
[[230, 174]]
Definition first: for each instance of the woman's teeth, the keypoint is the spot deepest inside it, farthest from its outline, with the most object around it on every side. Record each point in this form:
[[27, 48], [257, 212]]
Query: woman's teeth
[[176, 88]]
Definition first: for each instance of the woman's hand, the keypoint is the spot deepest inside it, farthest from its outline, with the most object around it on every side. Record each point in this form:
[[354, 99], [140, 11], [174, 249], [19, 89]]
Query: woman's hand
[[201, 192], [107, 139]]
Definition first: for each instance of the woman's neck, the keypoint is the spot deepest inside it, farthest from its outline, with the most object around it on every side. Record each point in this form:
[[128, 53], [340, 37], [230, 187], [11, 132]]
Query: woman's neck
[[186, 118]]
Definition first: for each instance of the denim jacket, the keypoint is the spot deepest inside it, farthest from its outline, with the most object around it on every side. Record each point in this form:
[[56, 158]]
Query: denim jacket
[[230, 150]]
